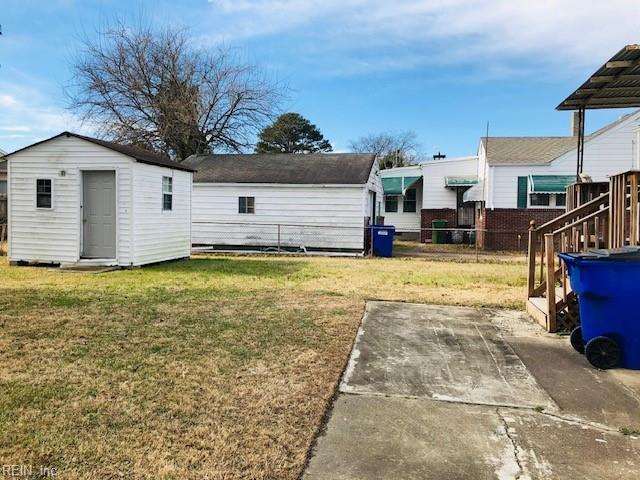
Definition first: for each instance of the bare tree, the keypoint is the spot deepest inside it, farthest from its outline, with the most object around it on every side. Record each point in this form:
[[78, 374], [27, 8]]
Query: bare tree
[[392, 149], [152, 88]]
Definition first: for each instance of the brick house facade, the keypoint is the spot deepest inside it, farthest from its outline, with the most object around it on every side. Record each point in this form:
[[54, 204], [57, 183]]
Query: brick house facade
[[428, 215], [507, 228], [497, 229]]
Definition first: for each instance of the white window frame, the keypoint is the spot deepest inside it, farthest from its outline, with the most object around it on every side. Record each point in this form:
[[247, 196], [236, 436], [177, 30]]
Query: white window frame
[[247, 212], [51, 194], [398, 203], [169, 192], [405, 200]]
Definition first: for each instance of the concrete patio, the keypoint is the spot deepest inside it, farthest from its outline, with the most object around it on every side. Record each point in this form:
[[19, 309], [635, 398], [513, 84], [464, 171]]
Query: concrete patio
[[435, 392]]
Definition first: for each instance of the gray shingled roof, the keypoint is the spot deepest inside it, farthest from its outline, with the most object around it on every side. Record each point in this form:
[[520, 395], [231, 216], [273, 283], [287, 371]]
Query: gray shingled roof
[[526, 150], [138, 154], [320, 168], [538, 150]]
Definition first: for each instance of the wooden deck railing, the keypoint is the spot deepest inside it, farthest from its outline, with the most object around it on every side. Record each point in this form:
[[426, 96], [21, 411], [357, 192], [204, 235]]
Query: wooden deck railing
[[608, 220], [575, 231]]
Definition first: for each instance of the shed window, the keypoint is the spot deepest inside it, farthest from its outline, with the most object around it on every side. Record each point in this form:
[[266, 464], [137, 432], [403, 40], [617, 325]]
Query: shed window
[[410, 202], [246, 205], [390, 203], [43, 193], [167, 193], [3, 187]]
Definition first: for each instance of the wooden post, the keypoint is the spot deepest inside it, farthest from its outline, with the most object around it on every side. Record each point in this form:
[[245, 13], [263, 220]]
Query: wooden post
[[551, 281], [531, 259]]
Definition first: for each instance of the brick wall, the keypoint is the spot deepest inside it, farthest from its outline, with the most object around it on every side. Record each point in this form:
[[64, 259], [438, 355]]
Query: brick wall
[[507, 228], [430, 214]]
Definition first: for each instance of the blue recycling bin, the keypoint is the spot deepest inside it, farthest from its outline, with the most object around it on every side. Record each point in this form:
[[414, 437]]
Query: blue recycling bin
[[383, 240], [607, 283]]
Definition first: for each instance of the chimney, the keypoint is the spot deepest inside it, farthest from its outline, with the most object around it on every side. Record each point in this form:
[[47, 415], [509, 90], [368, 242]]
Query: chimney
[[575, 124]]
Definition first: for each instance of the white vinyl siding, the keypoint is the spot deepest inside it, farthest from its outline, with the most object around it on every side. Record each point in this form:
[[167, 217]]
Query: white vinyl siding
[[55, 235], [333, 216], [607, 154], [435, 194], [404, 221], [161, 234]]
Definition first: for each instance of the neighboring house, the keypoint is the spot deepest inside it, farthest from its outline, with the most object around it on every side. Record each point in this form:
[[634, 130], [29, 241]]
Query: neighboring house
[[511, 182], [79, 200], [433, 190], [524, 178], [295, 202]]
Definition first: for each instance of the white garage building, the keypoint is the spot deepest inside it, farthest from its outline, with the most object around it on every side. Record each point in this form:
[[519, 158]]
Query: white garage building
[[80, 200], [302, 202]]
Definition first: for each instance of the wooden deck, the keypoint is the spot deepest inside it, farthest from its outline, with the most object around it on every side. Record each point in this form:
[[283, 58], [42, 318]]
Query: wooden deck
[[595, 220]]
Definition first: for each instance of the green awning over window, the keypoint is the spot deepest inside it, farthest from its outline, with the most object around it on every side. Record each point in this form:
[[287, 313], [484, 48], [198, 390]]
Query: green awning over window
[[467, 181], [398, 185], [550, 183]]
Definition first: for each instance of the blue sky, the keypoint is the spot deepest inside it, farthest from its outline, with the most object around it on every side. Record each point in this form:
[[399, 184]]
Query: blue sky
[[441, 68]]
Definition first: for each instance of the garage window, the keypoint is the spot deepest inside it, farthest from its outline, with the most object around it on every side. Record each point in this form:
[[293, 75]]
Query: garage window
[[246, 205], [167, 194]]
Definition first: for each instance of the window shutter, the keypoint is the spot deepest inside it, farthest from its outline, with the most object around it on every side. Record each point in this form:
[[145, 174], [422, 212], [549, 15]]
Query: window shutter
[[523, 185]]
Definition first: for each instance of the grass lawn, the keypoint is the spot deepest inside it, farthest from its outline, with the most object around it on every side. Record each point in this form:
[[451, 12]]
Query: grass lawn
[[218, 367]]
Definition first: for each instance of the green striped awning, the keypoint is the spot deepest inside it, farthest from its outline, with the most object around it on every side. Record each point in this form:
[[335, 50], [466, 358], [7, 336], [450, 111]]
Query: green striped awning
[[398, 185], [467, 181], [550, 183]]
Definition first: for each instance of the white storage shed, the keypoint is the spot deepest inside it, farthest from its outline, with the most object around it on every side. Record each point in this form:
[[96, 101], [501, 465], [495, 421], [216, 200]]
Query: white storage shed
[[80, 200], [299, 202]]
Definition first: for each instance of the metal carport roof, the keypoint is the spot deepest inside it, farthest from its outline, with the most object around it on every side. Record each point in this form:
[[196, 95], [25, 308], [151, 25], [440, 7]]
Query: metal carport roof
[[614, 85]]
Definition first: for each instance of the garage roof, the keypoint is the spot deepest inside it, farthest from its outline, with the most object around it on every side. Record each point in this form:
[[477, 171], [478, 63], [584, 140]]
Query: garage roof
[[310, 169], [616, 84], [136, 153]]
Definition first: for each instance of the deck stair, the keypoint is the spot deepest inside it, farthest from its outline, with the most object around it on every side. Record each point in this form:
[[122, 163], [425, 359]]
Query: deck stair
[[604, 220]]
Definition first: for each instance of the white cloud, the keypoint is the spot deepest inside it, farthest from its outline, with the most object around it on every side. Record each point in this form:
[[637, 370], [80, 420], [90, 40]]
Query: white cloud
[[27, 116], [573, 33]]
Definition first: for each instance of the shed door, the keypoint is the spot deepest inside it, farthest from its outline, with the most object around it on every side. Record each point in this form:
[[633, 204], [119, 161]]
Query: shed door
[[99, 214]]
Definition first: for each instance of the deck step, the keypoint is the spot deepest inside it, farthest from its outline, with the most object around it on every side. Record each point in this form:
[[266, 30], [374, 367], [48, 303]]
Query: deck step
[[537, 308]]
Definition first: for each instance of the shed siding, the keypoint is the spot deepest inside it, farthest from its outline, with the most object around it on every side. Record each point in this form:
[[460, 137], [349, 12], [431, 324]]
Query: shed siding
[[435, 194], [160, 235], [339, 210], [53, 236]]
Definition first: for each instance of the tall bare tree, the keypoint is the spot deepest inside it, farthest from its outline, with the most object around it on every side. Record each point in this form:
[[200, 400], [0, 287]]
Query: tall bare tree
[[152, 88], [392, 149]]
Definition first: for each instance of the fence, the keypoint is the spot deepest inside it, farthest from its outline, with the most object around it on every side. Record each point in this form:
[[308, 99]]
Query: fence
[[279, 237], [3, 208], [332, 239]]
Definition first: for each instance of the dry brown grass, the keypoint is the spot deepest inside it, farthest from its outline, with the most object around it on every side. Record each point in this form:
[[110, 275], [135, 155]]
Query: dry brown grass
[[218, 367]]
